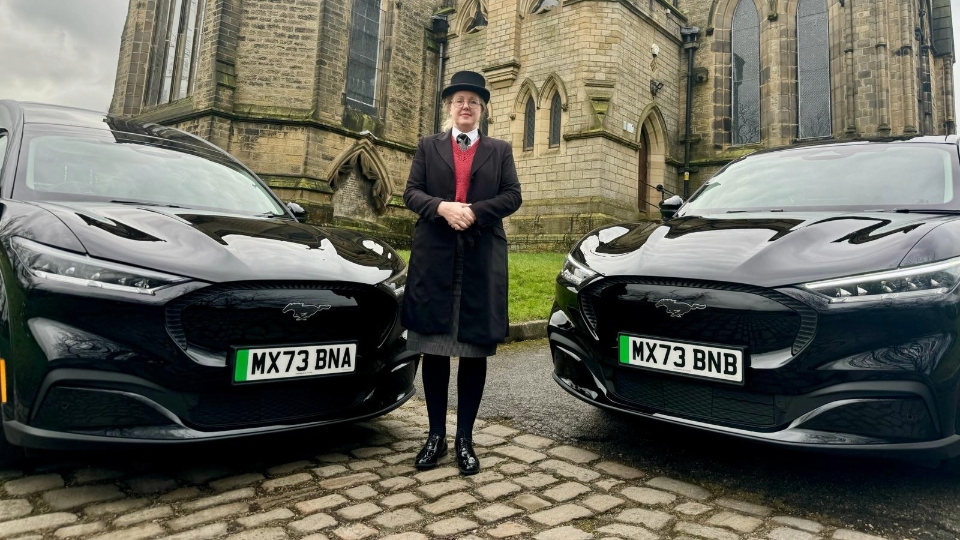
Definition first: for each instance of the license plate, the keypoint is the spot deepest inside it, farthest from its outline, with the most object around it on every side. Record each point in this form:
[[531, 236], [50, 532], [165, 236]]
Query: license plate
[[268, 364], [692, 359]]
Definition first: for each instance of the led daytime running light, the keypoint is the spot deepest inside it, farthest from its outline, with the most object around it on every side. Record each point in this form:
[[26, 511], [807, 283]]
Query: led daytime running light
[[398, 283], [931, 279], [56, 265], [576, 273]]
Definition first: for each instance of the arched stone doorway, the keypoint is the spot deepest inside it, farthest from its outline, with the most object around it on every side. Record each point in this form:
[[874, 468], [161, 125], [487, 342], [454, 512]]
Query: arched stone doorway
[[643, 171], [651, 163]]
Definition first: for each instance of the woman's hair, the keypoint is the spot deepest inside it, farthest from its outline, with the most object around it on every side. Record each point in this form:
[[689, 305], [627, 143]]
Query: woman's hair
[[448, 123]]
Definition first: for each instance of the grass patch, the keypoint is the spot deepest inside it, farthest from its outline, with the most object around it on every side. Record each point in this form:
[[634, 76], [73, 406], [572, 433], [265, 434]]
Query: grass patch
[[532, 283]]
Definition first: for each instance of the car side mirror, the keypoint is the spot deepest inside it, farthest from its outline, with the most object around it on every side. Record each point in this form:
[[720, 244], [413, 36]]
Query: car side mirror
[[297, 211], [669, 207]]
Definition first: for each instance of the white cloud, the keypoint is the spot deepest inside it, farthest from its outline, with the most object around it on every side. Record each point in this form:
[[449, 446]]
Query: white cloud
[[61, 52]]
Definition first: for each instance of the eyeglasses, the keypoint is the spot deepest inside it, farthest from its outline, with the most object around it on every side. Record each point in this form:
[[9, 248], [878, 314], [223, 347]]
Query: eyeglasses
[[472, 103]]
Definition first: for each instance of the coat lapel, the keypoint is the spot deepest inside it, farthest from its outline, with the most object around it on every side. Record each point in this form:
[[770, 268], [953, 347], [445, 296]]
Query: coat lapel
[[445, 148], [484, 151]]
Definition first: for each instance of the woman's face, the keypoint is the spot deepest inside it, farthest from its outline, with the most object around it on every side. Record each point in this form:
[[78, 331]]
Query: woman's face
[[465, 110]]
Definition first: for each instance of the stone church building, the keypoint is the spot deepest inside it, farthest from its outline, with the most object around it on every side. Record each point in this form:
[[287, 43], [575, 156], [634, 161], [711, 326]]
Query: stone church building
[[603, 100]]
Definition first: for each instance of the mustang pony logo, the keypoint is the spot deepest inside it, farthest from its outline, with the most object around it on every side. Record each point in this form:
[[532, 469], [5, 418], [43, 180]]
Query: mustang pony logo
[[301, 311], [677, 308]]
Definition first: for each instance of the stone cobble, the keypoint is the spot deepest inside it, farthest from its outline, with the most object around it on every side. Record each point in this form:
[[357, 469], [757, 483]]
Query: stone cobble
[[530, 487]]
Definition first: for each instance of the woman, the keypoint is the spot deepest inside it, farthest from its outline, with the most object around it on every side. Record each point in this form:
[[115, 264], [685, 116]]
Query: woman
[[462, 184]]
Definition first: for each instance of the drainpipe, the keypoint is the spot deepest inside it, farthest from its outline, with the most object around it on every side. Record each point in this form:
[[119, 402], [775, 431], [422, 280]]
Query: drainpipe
[[440, 27], [689, 35]]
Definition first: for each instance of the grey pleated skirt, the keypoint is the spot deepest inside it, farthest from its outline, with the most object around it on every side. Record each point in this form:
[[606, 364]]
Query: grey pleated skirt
[[447, 344]]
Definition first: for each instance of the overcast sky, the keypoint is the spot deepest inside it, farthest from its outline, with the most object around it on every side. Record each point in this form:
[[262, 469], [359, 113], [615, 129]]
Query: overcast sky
[[65, 51]]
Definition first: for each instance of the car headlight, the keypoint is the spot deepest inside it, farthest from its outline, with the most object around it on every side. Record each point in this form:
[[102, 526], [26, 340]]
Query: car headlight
[[924, 280], [575, 273], [397, 283], [54, 264]]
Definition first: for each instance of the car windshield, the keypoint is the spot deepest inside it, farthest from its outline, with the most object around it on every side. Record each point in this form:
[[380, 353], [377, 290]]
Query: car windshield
[[89, 165], [863, 176]]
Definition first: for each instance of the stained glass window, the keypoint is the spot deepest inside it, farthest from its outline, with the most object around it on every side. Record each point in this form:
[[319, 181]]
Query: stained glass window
[[363, 58], [813, 69], [745, 106], [555, 108], [529, 123]]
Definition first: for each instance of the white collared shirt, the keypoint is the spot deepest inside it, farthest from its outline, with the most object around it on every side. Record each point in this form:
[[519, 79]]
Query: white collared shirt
[[473, 135]]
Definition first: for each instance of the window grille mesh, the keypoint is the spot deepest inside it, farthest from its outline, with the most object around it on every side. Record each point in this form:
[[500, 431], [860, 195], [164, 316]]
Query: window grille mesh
[[363, 58], [555, 109], [813, 70], [529, 124], [745, 109]]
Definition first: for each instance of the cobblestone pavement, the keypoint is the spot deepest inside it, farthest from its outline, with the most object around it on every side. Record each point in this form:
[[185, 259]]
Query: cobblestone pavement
[[364, 486]]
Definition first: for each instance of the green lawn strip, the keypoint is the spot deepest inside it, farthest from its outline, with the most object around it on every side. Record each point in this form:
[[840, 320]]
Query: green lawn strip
[[532, 283]]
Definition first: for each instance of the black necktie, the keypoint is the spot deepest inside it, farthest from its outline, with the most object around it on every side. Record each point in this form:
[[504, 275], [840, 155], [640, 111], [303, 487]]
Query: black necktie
[[463, 141]]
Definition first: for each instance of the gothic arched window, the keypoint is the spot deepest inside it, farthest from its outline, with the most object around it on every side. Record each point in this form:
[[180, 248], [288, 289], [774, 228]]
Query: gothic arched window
[[363, 59], [529, 123], [813, 70], [555, 108], [745, 45]]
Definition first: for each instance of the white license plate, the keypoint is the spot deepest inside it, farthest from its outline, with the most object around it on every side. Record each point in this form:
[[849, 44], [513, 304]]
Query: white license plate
[[696, 360], [252, 365]]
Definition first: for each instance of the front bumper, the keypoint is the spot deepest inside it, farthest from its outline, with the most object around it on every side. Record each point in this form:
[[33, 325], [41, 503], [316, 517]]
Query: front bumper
[[885, 417], [88, 410]]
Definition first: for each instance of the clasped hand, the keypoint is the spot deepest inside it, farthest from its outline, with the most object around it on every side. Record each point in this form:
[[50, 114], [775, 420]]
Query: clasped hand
[[458, 215]]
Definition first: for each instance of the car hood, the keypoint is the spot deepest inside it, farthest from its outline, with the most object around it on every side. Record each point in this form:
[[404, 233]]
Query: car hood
[[765, 249], [216, 247]]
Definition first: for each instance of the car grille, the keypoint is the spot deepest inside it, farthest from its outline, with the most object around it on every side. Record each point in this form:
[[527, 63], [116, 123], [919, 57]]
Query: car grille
[[691, 398], [757, 319], [266, 314], [263, 404]]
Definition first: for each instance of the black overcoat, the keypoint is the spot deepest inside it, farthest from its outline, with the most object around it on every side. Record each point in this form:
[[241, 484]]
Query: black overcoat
[[494, 194]]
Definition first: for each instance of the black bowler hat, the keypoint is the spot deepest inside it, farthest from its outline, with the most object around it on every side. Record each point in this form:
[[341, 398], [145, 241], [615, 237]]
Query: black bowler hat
[[467, 80]]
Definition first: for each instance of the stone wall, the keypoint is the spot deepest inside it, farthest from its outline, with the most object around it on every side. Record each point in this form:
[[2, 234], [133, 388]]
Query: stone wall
[[269, 88], [875, 61]]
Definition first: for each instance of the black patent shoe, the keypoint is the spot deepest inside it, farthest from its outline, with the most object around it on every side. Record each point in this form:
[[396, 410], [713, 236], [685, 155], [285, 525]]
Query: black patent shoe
[[434, 449], [467, 460]]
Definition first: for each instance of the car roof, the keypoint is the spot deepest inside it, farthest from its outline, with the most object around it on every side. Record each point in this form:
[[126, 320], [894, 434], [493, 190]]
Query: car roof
[[41, 113], [58, 115], [914, 139]]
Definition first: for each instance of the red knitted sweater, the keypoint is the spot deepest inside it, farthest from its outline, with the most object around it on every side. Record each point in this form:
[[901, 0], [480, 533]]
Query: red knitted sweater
[[462, 162]]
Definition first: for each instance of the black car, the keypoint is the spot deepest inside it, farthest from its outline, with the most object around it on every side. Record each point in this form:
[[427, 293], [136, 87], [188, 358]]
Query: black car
[[155, 291], [805, 297]]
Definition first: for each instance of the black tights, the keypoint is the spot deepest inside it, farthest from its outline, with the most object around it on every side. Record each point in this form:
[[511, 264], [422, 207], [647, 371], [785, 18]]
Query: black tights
[[471, 374]]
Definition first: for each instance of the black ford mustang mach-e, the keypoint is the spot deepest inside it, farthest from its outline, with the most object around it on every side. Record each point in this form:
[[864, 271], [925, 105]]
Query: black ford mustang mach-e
[[155, 291], [805, 297]]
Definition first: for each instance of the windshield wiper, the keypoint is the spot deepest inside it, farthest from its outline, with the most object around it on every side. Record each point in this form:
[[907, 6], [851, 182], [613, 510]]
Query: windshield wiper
[[145, 203]]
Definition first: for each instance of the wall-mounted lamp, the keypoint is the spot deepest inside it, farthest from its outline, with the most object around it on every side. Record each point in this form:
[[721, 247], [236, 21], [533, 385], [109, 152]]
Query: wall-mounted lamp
[[655, 86], [546, 5]]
